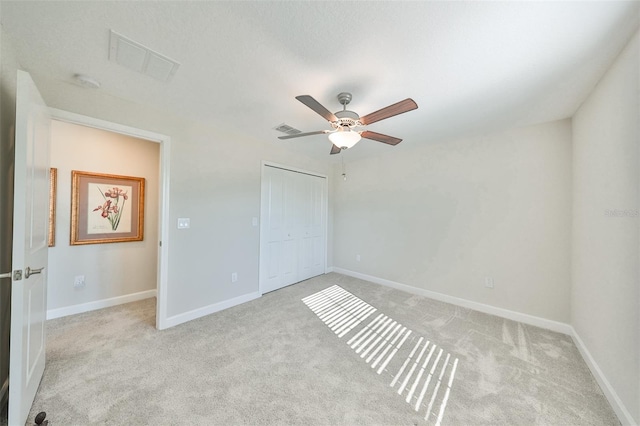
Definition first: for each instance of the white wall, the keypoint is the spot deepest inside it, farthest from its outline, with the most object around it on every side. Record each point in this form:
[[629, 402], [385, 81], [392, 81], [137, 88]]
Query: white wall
[[218, 179], [110, 270], [605, 294], [445, 216]]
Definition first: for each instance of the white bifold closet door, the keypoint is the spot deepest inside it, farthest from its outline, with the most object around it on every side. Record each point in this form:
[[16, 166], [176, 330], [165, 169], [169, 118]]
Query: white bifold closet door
[[293, 227]]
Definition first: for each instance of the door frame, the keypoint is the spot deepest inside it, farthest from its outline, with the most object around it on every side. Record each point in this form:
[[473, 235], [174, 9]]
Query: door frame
[[163, 219], [264, 212]]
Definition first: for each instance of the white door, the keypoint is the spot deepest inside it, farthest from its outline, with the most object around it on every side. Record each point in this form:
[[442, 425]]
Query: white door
[[278, 266], [271, 229], [287, 264], [311, 208], [30, 227], [293, 227]]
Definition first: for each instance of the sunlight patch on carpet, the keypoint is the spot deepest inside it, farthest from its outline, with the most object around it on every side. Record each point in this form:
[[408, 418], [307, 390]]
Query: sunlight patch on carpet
[[340, 310], [425, 376]]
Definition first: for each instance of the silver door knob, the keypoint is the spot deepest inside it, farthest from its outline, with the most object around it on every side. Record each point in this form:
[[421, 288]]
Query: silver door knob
[[28, 272]]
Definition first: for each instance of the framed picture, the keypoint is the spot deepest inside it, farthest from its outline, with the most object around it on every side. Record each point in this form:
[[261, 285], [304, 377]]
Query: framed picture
[[53, 184], [106, 208]]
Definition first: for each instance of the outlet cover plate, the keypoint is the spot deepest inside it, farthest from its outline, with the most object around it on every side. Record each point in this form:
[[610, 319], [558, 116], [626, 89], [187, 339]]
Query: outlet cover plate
[[78, 281]]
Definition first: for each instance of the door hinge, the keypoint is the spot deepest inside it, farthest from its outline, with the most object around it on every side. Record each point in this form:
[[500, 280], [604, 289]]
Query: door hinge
[[17, 275]]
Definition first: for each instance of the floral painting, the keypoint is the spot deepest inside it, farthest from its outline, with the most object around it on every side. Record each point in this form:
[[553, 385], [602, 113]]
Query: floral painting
[[109, 215], [106, 208]]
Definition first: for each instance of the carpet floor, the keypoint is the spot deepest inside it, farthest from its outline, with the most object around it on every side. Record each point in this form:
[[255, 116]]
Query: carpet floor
[[326, 360]]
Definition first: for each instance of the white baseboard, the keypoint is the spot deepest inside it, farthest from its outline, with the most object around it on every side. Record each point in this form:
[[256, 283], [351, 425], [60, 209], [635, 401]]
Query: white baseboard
[[623, 414], [210, 309], [99, 304], [559, 327]]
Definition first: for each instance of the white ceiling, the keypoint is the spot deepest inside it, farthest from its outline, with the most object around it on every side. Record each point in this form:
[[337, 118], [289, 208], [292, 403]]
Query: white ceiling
[[472, 67]]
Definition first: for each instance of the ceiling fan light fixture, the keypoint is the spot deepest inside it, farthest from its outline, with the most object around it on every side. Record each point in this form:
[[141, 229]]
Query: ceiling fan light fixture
[[344, 139]]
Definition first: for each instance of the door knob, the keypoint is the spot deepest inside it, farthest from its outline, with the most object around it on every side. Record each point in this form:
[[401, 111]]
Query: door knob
[[28, 272]]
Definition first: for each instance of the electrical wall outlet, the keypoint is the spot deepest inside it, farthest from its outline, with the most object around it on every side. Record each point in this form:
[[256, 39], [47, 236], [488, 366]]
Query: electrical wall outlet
[[78, 281], [357, 257], [234, 277], [488, 282]]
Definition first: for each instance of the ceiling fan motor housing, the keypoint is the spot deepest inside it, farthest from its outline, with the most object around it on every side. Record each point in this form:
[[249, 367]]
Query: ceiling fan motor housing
[[347, 119]]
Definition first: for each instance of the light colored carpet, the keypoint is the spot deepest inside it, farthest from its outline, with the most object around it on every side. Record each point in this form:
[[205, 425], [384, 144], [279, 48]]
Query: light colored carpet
[[275, 361]]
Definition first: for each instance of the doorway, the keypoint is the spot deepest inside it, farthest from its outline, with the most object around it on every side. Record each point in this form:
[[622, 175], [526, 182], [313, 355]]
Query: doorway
[[96, 289]]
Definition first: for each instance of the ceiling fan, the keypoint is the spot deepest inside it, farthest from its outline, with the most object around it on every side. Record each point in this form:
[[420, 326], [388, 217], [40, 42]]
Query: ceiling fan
[[345, 124]]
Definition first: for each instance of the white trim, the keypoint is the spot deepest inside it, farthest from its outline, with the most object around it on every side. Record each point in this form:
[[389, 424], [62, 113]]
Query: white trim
[[163, 232], [210, 309], [99, 304], [559, 327], [326, 222], [618, 406], [292, 169], [84, 120], [163, 214]]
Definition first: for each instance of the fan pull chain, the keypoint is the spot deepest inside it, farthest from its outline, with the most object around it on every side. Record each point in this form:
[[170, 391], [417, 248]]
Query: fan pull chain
[[344, 173]]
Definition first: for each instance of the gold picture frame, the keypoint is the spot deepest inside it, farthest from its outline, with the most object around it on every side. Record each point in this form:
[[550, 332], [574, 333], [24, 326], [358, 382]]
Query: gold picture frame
[[53, 185], [106, 208]]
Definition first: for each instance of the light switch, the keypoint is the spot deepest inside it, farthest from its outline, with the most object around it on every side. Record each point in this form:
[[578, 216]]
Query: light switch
[[184, 222], [254, 221]]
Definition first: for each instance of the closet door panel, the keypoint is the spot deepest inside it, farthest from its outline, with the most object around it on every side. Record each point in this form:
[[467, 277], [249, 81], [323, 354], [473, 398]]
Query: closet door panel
[[272, 198], [289, 256], [305, 220], [317, 229]]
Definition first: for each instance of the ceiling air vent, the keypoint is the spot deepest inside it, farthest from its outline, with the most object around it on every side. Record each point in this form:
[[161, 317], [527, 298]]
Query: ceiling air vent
[[137, 57], [284, 128]]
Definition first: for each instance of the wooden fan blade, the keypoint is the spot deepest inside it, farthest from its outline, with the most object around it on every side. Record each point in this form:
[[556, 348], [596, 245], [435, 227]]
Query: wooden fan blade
[[380, 137], [299, 135], [335, 150], [395, 109], [317, 107]]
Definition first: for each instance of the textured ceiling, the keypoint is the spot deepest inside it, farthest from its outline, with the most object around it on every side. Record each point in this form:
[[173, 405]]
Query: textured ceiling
[[472, 67]]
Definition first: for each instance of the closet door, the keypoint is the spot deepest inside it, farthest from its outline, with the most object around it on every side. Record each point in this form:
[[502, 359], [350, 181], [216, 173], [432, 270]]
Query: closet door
[[292, 241], [278, 245], [312, 206]]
